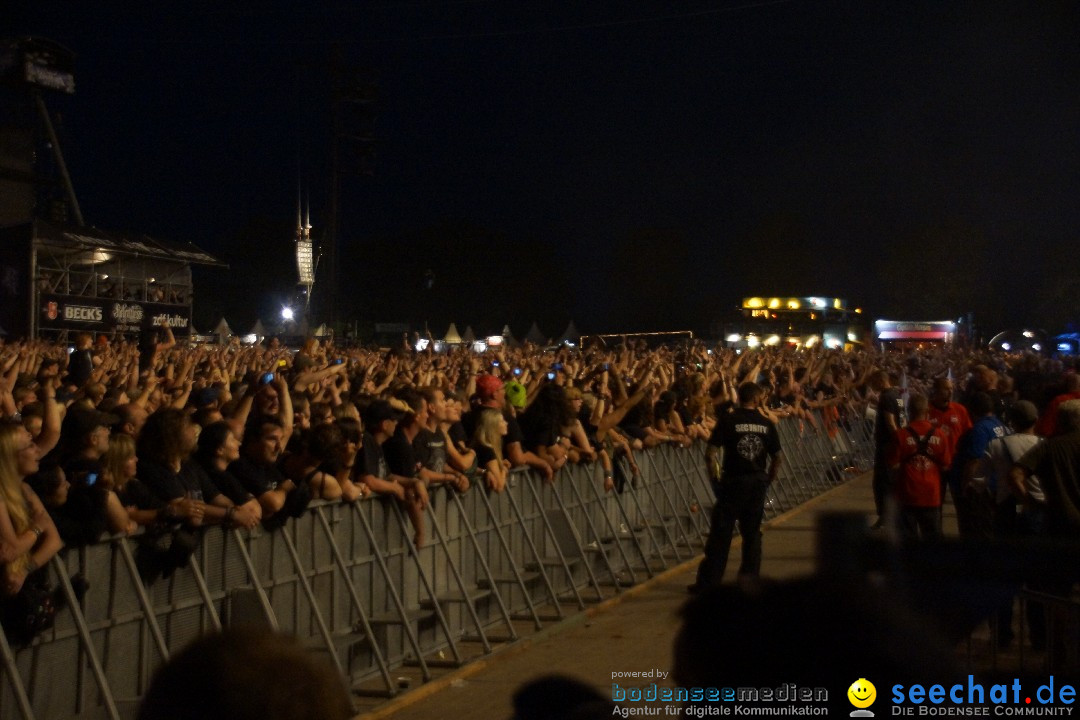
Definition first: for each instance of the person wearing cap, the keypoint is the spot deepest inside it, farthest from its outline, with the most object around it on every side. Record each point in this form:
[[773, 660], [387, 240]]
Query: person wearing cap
[[86, 440], [490, 393], [517, 395], [380, 421]]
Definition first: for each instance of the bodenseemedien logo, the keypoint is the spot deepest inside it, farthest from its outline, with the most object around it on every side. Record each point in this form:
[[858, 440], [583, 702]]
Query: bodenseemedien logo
[[862, 694]]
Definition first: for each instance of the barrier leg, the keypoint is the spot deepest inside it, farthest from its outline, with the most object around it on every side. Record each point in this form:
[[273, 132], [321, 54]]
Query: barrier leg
[[616, 582], [467, 597], [84, 636], [144, 598], [559, 556], [301, 575], [260, 592], [204, 592], [695, 480], [535, 552], [629, 524], [518, 578], [480, 556], [577, 541], [395, 596], [12, 672], [666, 497], [343, 567], [425, 581], [632, 493], [695, 518]]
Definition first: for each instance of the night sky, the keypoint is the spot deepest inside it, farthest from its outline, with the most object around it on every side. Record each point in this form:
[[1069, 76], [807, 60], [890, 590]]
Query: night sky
[[630, 165]]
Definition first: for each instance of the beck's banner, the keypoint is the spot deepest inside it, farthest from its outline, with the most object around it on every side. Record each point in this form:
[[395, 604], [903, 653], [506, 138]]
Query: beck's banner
[[100, 315]]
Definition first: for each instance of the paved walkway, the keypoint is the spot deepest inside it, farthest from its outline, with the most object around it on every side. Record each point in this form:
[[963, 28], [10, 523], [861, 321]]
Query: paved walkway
[[628, 633]]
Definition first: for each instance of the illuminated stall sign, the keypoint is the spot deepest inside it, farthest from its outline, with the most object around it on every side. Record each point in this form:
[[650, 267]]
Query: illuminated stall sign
[[929, 331]]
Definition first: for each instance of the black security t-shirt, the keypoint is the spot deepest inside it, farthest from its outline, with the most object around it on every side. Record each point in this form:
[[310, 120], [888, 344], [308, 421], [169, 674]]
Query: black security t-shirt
[[889, 403], [748, 439]]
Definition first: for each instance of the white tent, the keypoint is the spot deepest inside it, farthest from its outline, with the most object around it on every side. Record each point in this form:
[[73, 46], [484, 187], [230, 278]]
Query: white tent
[[322, 330], [469, 336], [571, 334], [258, 330], [222, 329], [508, 337], [452, 336], [535, 336]]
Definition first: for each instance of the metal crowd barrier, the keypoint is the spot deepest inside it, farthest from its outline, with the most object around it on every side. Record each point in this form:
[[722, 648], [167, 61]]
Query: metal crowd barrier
[[1053, 648], [348, 582]]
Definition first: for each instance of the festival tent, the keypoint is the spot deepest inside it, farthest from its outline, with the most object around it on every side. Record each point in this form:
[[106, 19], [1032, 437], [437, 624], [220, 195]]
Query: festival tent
[[571, 334], [508, 337], [452, 336], [222, 329], [322, 330], [258, 330], [469, 336], [535, 336]]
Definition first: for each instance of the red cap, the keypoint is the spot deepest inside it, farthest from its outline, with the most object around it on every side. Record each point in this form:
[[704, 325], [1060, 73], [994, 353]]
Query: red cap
[[487, 387]]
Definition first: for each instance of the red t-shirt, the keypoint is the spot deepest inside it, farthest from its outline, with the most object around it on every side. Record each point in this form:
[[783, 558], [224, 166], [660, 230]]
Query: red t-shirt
[[918, 480], [954, 420]]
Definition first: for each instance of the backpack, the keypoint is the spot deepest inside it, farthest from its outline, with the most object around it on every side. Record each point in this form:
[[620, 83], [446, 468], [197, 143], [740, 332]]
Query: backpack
[[922, 445]]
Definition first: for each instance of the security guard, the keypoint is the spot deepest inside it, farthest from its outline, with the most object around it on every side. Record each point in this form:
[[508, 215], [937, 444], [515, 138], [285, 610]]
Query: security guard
[[751, 459]]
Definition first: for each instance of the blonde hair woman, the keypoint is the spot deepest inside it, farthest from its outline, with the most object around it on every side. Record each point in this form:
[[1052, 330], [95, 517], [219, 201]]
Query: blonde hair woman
[[488, 441], [119, 463], [28, 538]]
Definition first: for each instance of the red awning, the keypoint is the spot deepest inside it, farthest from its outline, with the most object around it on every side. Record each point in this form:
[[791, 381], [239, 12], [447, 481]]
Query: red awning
[[912, 335]]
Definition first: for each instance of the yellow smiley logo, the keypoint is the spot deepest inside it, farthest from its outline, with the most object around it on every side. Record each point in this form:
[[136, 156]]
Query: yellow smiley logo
[[862, 693]]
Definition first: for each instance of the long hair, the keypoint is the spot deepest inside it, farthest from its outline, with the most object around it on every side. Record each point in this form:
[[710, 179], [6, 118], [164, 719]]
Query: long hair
[[11, 486], [211, 439], [487, 430], [121, 449], [160, 439]]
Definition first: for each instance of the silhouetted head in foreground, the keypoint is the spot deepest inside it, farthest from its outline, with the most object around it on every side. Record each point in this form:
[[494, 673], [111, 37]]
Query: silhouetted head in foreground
[[810, 632], [556, 697], [246, 674]]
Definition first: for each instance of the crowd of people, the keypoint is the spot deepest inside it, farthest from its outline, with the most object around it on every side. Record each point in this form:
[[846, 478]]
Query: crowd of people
[[160, 440]]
